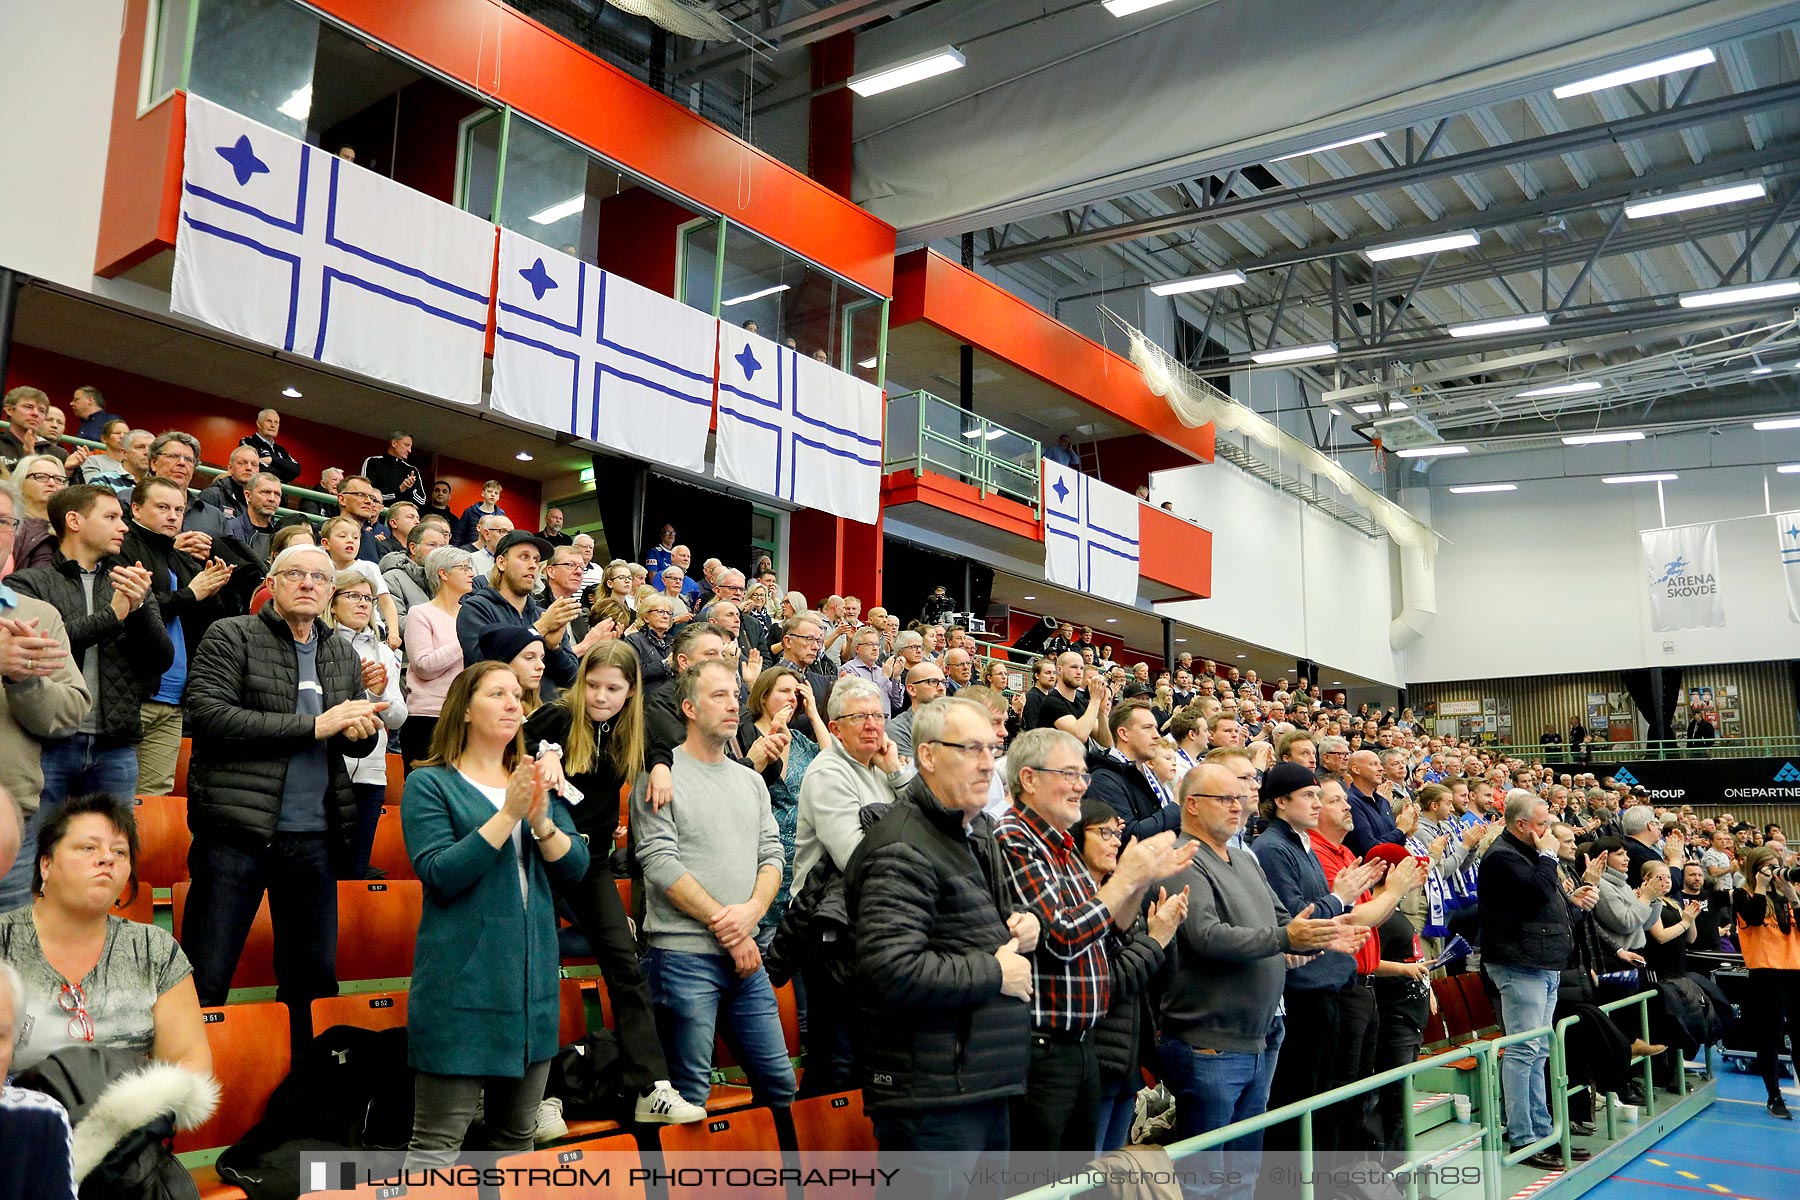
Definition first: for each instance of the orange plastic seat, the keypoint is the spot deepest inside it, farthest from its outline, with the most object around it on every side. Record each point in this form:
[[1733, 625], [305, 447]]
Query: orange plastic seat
[[364, 1010], [142, 909], [832, 1133], [744, 1139], [1482, 1017], [378, 927], [163, 840], [249, 1044], [616, 1156], [389, 854], [181, 766], [256, 964]]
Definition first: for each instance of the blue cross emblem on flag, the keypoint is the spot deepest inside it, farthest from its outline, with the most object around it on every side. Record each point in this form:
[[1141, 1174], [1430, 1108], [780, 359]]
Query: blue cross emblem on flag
[[295, 248], [1787, 540], [797, 429], [1090, 534], [593, 354]]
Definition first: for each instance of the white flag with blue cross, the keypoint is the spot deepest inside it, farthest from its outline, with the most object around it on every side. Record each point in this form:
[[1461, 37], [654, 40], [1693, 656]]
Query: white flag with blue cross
[[593, 354], [284, 244], [1787, 541], [796, 428], [1090, 535]]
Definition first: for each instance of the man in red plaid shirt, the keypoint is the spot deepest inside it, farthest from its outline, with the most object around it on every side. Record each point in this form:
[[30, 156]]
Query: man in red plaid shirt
[[1079, 926]]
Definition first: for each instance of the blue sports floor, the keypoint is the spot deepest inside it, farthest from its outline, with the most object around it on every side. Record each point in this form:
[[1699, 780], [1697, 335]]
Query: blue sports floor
[[1733, 1149]]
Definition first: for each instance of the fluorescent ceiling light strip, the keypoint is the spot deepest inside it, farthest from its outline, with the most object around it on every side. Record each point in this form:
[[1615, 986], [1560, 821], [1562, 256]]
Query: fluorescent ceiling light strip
[[924, 66], [1289, 354], [1788, 469], [1499, 325], [1125, 8], [1560, 389], [745, 299], [1595, 439], [1398, 406], [1653, 477], [1744, 293], [1777, 423], [1734, 193], [1418, 246], [1476, 489], [1649, 70], [1199, 283], [1431, 451], [559, 210], [1366, 409], [1353, 141]]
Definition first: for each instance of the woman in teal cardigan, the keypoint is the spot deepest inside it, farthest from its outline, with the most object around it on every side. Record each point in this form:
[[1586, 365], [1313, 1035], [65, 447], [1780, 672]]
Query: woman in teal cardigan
[[486, 843]]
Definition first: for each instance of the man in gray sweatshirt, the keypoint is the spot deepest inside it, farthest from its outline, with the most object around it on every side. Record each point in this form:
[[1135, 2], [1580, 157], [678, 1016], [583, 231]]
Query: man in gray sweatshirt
[[712, 862], [1221, 1023]]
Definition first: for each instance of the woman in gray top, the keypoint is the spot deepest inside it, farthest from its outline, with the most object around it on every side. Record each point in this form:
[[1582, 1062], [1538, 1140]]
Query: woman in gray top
[[92, 978]]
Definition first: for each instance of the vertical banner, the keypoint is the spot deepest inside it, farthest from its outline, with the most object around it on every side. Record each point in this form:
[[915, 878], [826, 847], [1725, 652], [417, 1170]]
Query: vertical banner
[[1681, 569], [1090, 534], [593, 354], [286, 245], [1787, 541]]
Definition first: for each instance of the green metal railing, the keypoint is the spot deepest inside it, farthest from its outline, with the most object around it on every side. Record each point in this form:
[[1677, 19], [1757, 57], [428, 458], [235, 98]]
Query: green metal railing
[[1599, 753], [925, 433], [288, 491], [1488, 1132]]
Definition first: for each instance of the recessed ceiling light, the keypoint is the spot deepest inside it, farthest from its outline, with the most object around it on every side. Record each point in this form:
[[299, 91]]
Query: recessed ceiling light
[[1469, 329], [1431, 451], [1649, 70], [1398, 406], [559, 210], [1112, 620], [1460, 240], [1289, 354], [1777, 423], [1561, 389], [1595, 439], [1181, 639], [912, 70], [1351, 141], [1744, 293], [522, 456], [1475, 489], [758, 295], [1199, 283], [1030, 597], [1734, 193], [1788, 469], [1365, 409], [1652, 477], [1243, 656], [291, 392]]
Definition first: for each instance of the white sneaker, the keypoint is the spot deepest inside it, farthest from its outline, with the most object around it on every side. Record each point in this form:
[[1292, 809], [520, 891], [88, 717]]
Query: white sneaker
[[663, 1105], [550, 1123]]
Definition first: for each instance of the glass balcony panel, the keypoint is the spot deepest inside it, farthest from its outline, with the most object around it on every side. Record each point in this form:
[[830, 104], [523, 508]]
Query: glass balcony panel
[[699, 257], [170, 47], [256, 57]]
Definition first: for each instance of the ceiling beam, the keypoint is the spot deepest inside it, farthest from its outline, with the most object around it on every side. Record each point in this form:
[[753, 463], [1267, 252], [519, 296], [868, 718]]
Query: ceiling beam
[[1508, 154]]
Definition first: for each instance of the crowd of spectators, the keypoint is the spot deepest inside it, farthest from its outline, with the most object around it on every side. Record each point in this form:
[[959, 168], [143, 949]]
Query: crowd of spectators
[[1004, 888]]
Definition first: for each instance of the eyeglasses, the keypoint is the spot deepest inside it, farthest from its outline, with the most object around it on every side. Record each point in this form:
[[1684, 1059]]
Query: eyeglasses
[[360, 495], [1227, 801], [935, 681], [1073, 774], [994, 749], [9, 522], [360, 599], [73, 1001], [296, 575], [859, 718], [45, 478], [1109, 834], [807, 639]]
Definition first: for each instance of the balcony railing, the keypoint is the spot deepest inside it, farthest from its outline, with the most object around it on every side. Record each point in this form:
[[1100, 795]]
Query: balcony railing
[[925, 433]]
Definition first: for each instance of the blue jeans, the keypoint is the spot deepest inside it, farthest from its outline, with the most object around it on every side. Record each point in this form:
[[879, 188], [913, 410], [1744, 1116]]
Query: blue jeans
[[1527, 1000], [15, 885], [78, 766], [1213, 1090], [690, 992], [1118, 1105]]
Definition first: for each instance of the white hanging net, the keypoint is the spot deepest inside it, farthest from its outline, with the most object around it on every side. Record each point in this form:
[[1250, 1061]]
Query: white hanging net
[[684, 18], [1196, 402]]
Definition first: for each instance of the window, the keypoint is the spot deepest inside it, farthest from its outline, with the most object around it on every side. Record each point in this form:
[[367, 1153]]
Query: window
[[167, 52], [792, 301]]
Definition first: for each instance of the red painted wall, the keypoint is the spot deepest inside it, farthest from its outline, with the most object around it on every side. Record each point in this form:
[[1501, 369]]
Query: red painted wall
[[1128, 462], [638, 238], [220, 424], [832, 124]]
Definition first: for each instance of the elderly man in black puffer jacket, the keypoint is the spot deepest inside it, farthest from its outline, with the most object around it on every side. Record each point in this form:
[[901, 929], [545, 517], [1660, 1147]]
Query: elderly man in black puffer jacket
[[943, 1022], [275, 703]]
